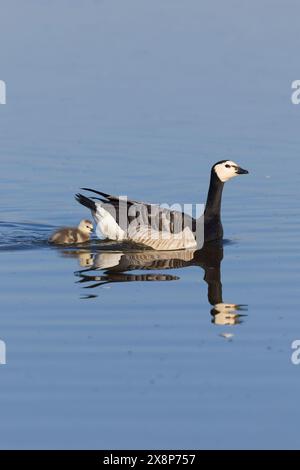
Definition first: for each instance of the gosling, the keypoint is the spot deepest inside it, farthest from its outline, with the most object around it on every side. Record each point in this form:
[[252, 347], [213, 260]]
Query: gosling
[[73, 235]]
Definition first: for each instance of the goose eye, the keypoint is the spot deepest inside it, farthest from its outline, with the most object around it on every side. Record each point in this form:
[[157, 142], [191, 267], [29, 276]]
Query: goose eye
[[227, 166]]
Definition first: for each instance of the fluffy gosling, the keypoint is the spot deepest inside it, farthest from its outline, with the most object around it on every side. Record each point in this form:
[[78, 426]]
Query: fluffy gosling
[[73, 235]]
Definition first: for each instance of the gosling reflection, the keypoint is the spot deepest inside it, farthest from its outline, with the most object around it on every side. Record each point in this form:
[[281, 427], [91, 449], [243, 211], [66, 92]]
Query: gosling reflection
[[105, 267]]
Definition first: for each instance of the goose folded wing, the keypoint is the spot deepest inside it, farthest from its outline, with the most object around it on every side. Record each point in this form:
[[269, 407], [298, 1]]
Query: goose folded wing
[[138, 215]]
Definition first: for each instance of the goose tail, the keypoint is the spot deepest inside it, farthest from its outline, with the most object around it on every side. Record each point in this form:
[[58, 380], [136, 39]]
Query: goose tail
[[87, 202]]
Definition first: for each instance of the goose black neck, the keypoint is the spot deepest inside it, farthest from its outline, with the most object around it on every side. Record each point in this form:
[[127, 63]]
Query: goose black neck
[[214, 197]]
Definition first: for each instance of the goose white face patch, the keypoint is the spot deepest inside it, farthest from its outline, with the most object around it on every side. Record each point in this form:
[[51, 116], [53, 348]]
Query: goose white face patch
[[226, 170]]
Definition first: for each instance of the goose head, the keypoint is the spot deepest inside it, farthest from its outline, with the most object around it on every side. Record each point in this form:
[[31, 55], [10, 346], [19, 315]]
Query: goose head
[[86, 226], [227, 169]]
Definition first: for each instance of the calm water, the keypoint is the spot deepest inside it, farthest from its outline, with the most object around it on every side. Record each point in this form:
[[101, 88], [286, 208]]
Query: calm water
[[108, 347]]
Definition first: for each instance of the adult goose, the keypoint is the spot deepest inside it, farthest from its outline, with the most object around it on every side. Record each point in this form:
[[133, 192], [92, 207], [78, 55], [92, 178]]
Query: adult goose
[[119, 218]]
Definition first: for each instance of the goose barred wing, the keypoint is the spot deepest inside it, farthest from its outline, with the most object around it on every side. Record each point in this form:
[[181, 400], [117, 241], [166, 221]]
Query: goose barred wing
[[138, 215]]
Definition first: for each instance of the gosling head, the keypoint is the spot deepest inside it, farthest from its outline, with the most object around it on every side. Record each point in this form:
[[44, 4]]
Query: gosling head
[[86, 226], [226, 169]]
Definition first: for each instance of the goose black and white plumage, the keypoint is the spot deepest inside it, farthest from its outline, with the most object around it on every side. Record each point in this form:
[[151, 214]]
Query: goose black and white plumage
[[157, 227]]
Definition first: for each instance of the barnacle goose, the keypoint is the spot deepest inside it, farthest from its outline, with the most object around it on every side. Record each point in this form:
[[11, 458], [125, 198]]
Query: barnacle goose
[[157, 227]]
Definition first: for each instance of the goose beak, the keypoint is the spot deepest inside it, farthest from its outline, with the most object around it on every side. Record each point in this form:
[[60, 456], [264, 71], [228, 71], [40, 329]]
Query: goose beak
[[241, 171]]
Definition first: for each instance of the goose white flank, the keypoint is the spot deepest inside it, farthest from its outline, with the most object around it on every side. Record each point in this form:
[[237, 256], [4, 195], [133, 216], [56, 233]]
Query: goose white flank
[[73, 235], [181, 228]]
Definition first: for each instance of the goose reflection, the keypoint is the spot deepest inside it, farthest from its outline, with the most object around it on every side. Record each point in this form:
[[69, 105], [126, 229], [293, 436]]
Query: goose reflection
[[103, 266]]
